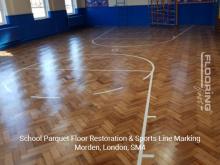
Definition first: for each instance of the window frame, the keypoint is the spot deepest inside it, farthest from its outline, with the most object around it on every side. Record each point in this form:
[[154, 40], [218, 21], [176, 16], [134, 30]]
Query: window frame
[[74, 6], [46, 10], [3, 13]]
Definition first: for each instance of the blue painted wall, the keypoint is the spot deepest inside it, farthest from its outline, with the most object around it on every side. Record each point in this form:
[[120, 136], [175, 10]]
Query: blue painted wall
[[9, 35], [128, 15], [21, 28], [198, 14]]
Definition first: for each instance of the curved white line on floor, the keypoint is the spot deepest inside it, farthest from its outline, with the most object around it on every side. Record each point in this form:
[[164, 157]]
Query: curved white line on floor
[[125, 46], [108, 91]]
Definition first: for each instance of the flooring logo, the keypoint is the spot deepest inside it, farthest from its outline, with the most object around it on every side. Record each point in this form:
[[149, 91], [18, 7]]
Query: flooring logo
[[205, 90]]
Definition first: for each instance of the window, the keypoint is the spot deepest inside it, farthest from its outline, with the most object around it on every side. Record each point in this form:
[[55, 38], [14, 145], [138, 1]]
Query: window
[[39, 8], [70, 6], [2, 13], [1, 17]]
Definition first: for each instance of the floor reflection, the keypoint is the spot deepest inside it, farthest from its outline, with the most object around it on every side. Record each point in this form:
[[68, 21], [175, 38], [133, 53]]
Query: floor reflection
[[49, 75], [76, 64], [13, 104]]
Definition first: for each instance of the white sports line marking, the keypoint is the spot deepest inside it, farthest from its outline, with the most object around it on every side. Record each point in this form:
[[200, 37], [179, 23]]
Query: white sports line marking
[[144, 127], [148, 155], [108, 91], [104, 33], [100, 70], [125, 46], [181, 33], [41, 97], [5, 84], [151, 117]]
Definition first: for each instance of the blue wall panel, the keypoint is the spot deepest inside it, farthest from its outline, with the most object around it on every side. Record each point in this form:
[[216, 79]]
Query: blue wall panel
[[101, 16], [198, 14], [121, 16], [22, 28], [9, 35], [29, 29], [59, 20], [24, 22], [75, 21], [41, 28], [138, 15]]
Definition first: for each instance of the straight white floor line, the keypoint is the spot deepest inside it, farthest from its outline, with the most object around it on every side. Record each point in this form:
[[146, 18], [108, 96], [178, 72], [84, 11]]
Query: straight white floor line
[[184, 31], [101, 70], [5, 85], [116, 38], [151, 117], [144, 127], [142, 58], [108, 91], [41, 97], [148, 155], [104, 70], [124, 46], [106, 32], [127, 55]]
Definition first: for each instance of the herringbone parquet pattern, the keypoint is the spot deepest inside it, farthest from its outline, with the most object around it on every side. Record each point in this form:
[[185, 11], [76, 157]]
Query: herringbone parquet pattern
[[61, 70]]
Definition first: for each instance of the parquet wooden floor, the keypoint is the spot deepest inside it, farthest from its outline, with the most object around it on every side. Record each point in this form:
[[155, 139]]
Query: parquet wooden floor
[[49, 87]]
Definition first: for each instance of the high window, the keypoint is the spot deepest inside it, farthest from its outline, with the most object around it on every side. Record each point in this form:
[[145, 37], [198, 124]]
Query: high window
[[2, 13], [70, 6], [39, 8]]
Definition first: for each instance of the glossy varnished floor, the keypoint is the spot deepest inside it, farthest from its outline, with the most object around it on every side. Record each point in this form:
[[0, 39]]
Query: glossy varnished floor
[[52, 87]]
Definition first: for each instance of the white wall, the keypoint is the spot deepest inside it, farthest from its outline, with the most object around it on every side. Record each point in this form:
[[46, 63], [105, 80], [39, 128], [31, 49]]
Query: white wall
[[57, 5], [81, 3], [16, 7]]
